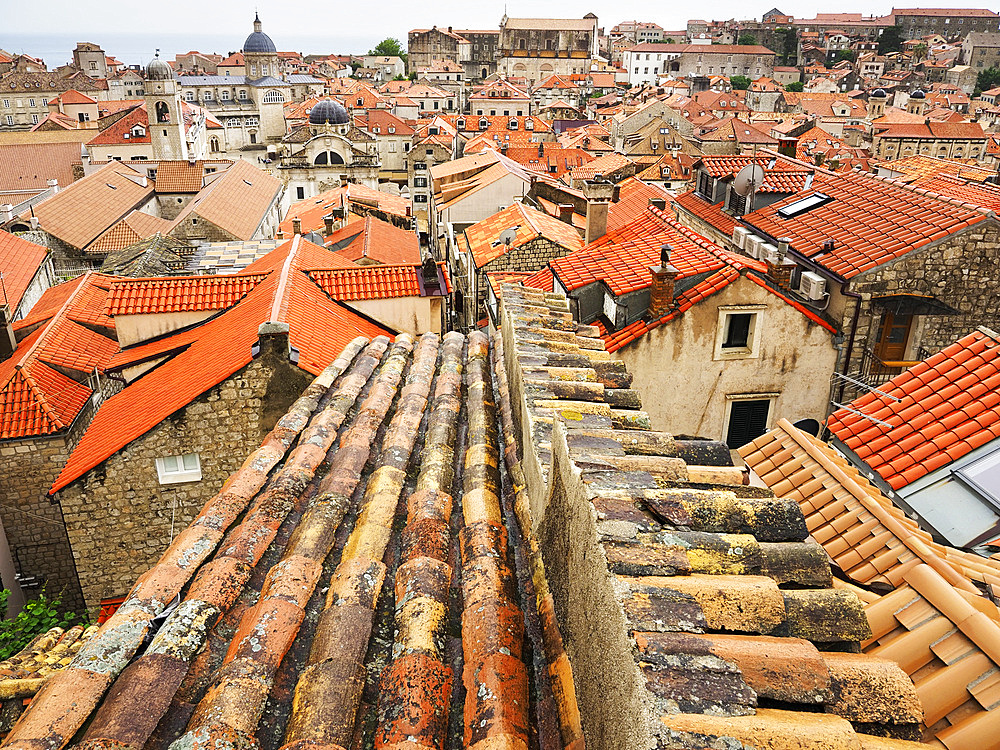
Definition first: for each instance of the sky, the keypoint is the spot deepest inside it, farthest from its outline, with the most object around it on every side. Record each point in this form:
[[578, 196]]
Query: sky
[[50, 28]]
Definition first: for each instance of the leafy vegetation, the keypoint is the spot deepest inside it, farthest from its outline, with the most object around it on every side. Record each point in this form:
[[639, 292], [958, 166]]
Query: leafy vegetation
[[739, 83], [39, 615], [789, 51], [389, 47], [794, 86], [748, 39], [986, 80], [844, 54], [891, 40]]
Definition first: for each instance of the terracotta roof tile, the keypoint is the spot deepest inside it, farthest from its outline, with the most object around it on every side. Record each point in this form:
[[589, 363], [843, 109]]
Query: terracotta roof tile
[[935, 418], [375, 240], [178, 293], [19, 262], [371, 282], [871, 221], [482, 239], [135, 227]]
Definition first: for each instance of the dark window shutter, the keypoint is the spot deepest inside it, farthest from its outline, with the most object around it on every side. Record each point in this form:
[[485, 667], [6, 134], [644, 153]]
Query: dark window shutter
[[747, 421]]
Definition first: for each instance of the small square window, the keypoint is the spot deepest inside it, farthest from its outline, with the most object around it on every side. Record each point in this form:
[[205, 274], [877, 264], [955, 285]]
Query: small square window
[[737, 331], [738, 334], [176, 469]]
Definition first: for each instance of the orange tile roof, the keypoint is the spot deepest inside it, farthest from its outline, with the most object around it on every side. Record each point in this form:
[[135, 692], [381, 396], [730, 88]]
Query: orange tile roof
[[178, 293], [932, 129], [950, 405], [312, 210], [19, 262], [236, 201], [37, 396], [81, 212], [179, 176], [372, 282], [602, 165], [981, 194], [205, 355], [482, 238], [135, 227], [28, 166], [861, 530], [633, 197], [621, 259], [871, 221], [377, 240], [710, 213]]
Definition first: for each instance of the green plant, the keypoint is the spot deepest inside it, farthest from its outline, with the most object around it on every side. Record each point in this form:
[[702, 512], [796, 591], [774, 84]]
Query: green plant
[[747, 39], [739, 83], [794, 86], [37, 616]]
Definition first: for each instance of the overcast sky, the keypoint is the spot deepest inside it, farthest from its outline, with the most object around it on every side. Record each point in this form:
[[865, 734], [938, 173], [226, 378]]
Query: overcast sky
[[348, 27]]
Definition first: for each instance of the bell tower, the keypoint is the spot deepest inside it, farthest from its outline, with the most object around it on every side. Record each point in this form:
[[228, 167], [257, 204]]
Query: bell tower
[[163, 106]]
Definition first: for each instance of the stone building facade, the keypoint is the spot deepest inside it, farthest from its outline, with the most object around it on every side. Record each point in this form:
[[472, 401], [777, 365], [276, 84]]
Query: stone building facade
[[134, 514], [536, 48], [474, 50], [958, 271]]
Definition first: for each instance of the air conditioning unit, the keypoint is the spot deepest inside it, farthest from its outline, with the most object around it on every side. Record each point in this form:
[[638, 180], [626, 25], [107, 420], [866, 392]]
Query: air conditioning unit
[[768, 252], [752, 245], [812, 285], [740, 235]]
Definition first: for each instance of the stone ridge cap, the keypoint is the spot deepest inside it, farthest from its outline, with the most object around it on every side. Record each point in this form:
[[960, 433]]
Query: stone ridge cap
[[678, 541]]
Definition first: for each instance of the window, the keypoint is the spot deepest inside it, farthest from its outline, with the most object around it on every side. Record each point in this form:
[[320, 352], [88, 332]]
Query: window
[[251, 122], [805, 204], [225, 95], [747, 420], [706, 185], [31, 102], [189, 96], [6, 103], [300, 193], [34, 119], [273, 97], [738, 333], [419, 182], [419, 198], [175, 469], [213, 145], [45, 102]]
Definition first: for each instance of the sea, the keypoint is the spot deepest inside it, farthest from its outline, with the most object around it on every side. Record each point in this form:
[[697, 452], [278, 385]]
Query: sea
[[138, 47]]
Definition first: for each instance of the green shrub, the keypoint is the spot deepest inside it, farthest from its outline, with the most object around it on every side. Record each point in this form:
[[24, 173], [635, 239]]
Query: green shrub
[[38, 616]]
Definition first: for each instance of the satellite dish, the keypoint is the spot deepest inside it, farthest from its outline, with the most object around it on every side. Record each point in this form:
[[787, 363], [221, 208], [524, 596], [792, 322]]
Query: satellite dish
[[508, 236], [748, 179]]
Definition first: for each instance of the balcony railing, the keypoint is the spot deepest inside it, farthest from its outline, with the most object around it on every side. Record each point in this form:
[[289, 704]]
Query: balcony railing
[[876, 371]]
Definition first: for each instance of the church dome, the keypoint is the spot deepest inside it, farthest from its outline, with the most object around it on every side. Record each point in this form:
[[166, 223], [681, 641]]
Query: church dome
[[879, 94], [918, 94], [258, 41], [328, 111], [158, 70]]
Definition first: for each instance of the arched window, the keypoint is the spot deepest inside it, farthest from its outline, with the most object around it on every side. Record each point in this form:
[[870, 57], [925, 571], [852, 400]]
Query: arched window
[[336, 158], [273, 97], [251, 122], [233, 122], [162, 112], [321, 158], [213, 145], [521, 44]]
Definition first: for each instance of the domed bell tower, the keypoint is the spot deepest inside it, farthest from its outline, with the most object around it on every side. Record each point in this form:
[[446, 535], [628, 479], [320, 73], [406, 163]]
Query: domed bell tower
[[164, 109], [260, 56]]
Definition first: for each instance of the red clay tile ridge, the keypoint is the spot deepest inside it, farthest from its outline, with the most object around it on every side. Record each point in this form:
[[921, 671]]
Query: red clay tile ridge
[[898, 182]]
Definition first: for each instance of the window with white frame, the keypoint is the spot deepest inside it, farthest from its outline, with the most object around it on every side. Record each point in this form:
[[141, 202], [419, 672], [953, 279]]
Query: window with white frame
[[738, 332], [176, 469]]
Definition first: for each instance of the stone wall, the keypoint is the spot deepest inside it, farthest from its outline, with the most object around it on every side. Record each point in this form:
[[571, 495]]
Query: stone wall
[[531, 256], [32, 521], [120, 518], [960, 271]]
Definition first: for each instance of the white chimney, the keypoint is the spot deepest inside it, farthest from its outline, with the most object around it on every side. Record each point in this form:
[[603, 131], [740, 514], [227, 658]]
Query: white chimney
[[6, 213], [53, 185], [34, 222]]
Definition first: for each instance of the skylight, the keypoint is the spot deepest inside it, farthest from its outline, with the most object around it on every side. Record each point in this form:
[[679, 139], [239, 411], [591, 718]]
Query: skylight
[[803, 205]]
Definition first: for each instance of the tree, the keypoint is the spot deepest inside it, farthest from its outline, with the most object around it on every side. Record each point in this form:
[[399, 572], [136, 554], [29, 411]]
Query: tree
[[844, 54], [748, 39], [789, 45], [389, 47], [919, 52], [986, 80], [794, 86], [670, 40], [739, 83], [891, 40]]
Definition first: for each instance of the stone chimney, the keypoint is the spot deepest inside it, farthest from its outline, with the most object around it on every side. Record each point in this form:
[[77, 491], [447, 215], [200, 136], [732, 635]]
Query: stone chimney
[[566, 212], [661, 290], [781, 272], [296, 225], [328, 223], [598, 192], [272, 340], [660, 203], [8, 343]]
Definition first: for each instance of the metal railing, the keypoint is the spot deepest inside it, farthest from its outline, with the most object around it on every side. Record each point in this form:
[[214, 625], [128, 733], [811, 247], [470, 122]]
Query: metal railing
[[875, 371]]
